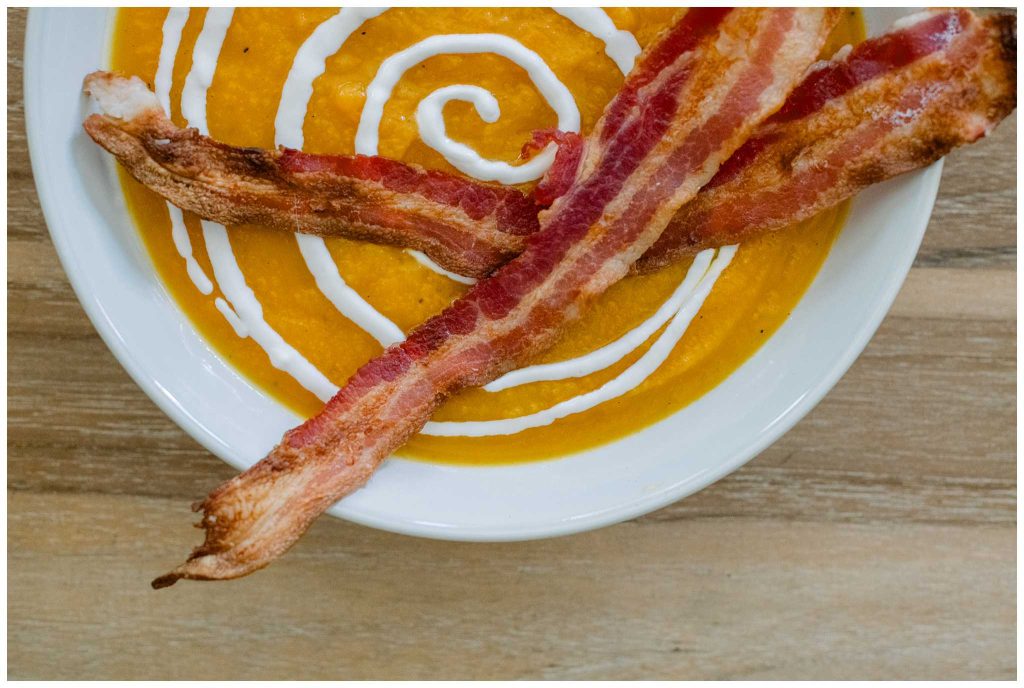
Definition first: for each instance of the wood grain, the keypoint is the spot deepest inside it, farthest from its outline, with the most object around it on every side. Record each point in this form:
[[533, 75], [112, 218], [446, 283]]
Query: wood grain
[[874, 540]]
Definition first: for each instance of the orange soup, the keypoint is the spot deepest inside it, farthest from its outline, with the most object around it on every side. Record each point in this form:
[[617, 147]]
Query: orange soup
[[250, 63]]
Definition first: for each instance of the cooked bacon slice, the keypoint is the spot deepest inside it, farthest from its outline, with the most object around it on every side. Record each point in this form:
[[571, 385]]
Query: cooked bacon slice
[[893, 104], [701, 106], [467, 227]]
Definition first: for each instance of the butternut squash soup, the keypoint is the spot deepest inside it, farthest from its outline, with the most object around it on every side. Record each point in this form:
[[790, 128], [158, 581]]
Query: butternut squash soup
[[459, 90]]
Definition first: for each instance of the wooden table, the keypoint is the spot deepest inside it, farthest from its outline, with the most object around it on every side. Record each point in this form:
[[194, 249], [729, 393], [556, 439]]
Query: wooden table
[[876, 539]]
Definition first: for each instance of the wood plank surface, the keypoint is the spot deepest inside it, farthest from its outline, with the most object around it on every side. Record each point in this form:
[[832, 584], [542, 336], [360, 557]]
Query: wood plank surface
[[874, 540]]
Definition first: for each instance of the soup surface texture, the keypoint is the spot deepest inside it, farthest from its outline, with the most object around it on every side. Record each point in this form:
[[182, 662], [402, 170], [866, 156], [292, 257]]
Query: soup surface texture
[[296, 344]]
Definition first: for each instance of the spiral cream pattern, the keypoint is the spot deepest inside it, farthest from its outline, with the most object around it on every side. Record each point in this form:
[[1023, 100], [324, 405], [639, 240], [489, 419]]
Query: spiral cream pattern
[[241, 306]]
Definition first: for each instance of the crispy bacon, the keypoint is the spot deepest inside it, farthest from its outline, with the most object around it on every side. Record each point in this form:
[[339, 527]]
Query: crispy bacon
[[467, 227], [894, 104], [684, 122]]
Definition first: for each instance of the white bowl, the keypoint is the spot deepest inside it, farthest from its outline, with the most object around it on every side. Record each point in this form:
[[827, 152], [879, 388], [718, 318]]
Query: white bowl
[[133, 312]]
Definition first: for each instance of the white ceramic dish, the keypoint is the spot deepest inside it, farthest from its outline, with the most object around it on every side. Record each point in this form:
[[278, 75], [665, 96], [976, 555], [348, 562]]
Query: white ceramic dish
[[114, 279]]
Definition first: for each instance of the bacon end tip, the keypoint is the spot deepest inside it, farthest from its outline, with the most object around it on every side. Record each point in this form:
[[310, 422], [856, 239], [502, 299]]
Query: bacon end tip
[[123, 98]]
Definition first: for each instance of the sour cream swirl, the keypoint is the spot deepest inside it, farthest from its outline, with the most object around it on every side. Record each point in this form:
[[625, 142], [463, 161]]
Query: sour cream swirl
[[240, 305]]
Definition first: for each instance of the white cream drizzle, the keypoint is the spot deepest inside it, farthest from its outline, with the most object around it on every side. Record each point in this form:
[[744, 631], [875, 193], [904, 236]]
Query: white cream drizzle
[[424, 260], [620, 45], [172, 29], [204, 63], [611, 353], [246, 307], [346, 299], [236, 324], [173, 26], [842, 53], [628, 380], [249, 314], [246, 316], [310, 62], [429, 118], [179, 235], [911, 19]]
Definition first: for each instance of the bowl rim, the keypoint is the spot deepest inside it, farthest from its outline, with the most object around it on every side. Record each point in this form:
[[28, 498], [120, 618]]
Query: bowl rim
[[51, 201]]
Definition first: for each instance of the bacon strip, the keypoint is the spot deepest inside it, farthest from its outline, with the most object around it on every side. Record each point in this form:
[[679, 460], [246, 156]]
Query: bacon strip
[[894, 104], [966, 65], [685, 121], [467, 227]]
